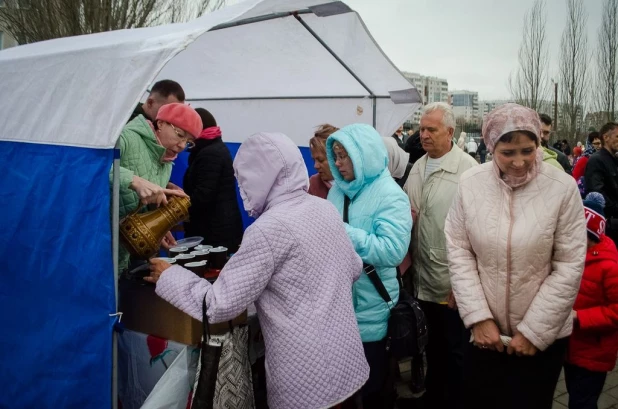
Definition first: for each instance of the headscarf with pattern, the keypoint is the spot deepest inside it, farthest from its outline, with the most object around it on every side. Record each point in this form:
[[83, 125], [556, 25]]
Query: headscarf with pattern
[[510, 118]]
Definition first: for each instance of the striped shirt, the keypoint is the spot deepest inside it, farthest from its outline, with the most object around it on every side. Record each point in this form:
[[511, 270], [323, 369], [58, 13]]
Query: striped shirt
[[432, 166]]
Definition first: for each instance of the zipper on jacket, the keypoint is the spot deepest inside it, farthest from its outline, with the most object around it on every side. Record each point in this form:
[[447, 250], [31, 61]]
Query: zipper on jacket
[[423, 205], [508, 267]]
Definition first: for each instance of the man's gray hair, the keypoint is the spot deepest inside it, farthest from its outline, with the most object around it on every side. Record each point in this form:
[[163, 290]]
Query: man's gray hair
[[448, 118]]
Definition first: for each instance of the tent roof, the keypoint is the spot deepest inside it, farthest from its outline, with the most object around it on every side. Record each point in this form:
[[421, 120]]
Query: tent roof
[[80, 90]]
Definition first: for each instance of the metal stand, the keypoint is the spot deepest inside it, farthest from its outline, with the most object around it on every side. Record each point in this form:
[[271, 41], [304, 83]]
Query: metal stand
[[115, 244]]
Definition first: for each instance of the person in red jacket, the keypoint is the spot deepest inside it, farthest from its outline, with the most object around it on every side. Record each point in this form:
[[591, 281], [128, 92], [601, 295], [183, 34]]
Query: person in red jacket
[[594, 342], [593, 144]]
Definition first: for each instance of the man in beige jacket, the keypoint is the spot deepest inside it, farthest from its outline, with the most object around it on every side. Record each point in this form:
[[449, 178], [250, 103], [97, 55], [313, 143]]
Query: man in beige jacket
[[431, 187]]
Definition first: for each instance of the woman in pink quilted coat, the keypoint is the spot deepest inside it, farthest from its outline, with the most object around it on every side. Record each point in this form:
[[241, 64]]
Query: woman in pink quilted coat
[[297, 264], [516, 243]]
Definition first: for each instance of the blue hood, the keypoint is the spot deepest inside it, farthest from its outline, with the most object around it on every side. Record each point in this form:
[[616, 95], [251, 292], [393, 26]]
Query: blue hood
[[366, 149]]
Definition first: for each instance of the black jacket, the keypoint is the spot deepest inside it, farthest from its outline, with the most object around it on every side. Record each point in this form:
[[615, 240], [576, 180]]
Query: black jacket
[[401, 143], [139, 110], [414, 147], [209, 181], [563, 160], [602, 176]]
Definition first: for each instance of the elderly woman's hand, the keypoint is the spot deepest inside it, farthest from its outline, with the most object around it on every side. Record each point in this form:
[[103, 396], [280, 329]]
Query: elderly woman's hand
[[521, 346], [150, 193], [168, 241], [487, 336], [157, 267]]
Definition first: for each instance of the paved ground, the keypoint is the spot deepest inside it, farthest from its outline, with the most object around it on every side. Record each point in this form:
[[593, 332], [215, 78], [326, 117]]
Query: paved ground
[[608, 400]]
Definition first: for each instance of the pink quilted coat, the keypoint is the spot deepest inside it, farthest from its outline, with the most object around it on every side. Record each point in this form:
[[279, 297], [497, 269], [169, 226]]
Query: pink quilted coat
[[517, 255], [298, 265]]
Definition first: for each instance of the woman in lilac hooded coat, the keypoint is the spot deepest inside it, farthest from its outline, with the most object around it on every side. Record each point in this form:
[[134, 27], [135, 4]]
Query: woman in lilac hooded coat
[[297, 264]]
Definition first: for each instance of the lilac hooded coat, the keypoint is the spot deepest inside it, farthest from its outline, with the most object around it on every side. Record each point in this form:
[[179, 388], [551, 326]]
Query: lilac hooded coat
[[297, 264]]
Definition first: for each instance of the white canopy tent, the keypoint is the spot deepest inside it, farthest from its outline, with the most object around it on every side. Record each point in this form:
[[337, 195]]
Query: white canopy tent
[[261, 65]]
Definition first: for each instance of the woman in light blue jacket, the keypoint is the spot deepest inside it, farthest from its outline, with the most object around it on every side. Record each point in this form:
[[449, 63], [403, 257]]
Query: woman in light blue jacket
[[380, 222]]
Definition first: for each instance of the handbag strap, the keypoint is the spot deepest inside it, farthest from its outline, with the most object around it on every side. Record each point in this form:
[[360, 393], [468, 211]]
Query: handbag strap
[[370, 270], [346, 205], [401, 182], [206, 333]]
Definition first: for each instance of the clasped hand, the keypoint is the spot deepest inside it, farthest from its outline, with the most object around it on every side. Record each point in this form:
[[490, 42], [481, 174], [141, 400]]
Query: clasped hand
[[487, 336]]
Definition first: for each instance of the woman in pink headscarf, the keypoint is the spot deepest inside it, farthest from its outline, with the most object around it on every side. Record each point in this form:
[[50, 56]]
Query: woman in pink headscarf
[[516, 238]]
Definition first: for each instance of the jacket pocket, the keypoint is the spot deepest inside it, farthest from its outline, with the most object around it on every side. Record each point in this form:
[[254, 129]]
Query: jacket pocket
[[438, 256]]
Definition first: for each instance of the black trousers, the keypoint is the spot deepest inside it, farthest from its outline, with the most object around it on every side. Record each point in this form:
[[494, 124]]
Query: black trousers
[[445, 356], [498, 380], [378, 392], [584, 386]]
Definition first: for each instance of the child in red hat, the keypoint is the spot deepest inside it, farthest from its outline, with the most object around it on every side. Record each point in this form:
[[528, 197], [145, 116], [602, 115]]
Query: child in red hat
[[594, 343]]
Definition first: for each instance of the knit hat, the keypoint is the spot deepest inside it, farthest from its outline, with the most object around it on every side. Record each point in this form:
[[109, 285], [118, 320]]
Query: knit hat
[[509, 118], [182, 116], [595, 217]]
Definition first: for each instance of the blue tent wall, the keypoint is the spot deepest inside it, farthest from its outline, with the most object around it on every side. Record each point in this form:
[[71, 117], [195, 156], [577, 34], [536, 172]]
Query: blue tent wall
[[56, 282], [181, 164]]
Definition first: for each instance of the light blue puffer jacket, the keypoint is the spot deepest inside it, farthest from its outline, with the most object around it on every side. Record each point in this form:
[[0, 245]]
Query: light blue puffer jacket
[[380, 222]]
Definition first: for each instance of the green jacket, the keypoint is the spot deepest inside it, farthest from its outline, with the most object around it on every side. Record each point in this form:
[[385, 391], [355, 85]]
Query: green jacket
[[551, 158], [140, 155]]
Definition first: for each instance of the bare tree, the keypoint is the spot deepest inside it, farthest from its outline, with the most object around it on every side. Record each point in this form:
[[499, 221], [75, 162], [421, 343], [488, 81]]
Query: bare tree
[[30, 21], [573, 68], [529, 86], [607, 68], [189, 10]]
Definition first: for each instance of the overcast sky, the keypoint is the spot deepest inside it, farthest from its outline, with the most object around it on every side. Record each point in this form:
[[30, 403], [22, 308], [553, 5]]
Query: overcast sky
[[471, 43]]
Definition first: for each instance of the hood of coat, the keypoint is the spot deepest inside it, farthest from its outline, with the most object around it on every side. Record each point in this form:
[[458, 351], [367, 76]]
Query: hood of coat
[[270, 169], [603, 251], [397, 158], [141, 126], [367, 152], [549, 154]]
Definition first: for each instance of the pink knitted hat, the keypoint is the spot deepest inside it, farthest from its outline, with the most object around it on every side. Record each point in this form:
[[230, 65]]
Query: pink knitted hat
[[182, 116], [508, 118]]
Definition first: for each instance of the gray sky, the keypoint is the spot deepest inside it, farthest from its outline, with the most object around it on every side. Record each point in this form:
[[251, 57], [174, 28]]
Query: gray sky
[[471, 43]]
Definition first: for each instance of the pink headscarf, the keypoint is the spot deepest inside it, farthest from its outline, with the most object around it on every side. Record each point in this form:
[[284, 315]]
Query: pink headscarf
[[509, 118]]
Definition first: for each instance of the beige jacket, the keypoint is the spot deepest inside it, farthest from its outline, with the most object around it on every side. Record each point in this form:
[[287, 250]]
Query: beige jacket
[[431, 200], [517, 255]]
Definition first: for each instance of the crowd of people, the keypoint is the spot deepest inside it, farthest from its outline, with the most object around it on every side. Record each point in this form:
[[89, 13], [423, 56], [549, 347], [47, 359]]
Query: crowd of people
[[498, 251]]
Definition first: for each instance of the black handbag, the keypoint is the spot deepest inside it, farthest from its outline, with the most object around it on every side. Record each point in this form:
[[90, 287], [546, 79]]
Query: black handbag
[[224, 372], [204, 394], [407, 327]]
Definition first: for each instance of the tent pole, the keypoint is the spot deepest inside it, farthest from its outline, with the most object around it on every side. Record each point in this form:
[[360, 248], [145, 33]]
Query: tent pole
[[335, 56], [115, 238], [321, 97], [259, 19], [375, 109]]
